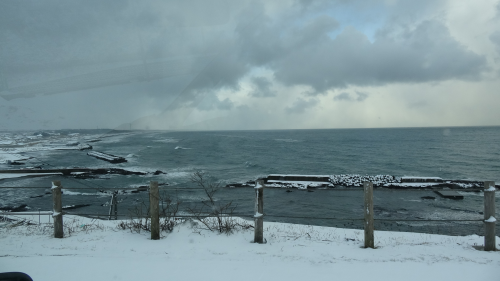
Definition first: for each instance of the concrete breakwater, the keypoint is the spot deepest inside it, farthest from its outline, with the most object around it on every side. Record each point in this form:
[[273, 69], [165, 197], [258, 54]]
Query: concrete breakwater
[[355, 180]]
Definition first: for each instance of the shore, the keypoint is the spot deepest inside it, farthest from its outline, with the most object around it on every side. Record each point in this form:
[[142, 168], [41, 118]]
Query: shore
[[98, 250]]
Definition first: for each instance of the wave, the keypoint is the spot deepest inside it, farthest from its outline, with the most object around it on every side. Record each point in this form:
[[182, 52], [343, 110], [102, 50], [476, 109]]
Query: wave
[[287, 140], [68, 192], [167, 140], [180, 147]]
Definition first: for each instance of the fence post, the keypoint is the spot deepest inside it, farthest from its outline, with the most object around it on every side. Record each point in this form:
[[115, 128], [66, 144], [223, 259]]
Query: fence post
[[154, 208], [116, 205], [489, 216], [57, 209], [259, 212], [111, 204], [368, 210]]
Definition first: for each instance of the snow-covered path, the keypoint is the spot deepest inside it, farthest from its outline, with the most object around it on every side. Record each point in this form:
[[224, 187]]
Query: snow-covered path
[[97, 250]]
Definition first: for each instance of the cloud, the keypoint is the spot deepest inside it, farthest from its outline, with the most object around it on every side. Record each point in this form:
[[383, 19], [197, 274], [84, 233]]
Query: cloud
[[344, 96], [174, 57], [426, 53], [361, 96], [300, 105], [211, 102], [495, 38], [262, 87], [498, 10], [295, 43], [418, 104]]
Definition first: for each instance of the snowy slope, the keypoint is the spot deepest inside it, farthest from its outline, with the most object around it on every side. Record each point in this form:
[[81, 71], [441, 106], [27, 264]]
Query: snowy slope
[[97, 250]]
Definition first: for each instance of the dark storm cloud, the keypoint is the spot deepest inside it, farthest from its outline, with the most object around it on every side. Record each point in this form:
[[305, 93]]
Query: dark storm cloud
[[262, 87], [217, 43], [296, 44]]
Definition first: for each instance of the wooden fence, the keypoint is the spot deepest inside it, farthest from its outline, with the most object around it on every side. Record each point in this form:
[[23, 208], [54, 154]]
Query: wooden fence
[[369, 240]]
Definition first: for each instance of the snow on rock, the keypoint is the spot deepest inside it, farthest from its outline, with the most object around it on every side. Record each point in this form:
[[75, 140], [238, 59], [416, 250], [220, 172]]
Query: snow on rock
[[357, 180]]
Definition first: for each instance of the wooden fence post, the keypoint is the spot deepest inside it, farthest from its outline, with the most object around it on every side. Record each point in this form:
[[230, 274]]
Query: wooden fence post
[[489, 216], [259, 212], [368, 211], [154, 209], [57, 209], [116, 205], [113, 205]]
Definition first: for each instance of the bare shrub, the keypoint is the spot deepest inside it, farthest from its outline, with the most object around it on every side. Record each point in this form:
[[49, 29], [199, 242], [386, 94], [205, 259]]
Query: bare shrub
[[71, 226], [140, 216], [212, 215]]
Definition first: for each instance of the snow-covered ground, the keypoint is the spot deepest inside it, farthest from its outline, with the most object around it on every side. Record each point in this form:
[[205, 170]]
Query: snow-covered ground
[[98, 250]]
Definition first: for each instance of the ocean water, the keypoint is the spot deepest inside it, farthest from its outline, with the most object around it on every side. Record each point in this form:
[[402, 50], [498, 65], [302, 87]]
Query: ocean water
[[238, 156]]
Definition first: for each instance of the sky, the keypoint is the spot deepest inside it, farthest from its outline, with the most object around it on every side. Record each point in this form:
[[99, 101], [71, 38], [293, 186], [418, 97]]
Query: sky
[[248, 64]]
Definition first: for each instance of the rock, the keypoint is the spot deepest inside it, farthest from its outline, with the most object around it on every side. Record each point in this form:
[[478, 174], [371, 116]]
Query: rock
[[84, 146], [75, 206], [19, 208]]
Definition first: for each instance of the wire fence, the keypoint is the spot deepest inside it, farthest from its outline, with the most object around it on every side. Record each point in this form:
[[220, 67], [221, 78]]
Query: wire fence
[[444, 225], [199, 188]]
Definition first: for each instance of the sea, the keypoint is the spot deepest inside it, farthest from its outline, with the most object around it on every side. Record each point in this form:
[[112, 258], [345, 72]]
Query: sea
[[225, 157]]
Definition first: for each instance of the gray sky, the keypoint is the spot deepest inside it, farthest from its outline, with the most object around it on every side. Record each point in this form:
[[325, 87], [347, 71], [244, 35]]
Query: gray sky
[[210, 65]]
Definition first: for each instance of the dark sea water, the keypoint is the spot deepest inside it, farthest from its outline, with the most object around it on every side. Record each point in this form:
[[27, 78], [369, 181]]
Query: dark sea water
[[238, 156]]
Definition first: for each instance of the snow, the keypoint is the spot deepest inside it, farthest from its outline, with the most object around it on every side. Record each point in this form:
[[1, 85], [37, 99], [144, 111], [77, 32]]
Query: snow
[[299, 175], [258, 185], [491, 219], [19, 175], [97, 250], [412, 184], [316, 183], [421, 178], [491, 188]]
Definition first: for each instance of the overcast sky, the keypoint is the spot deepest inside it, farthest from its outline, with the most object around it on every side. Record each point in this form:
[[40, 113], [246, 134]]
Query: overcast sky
[[211, 65]]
